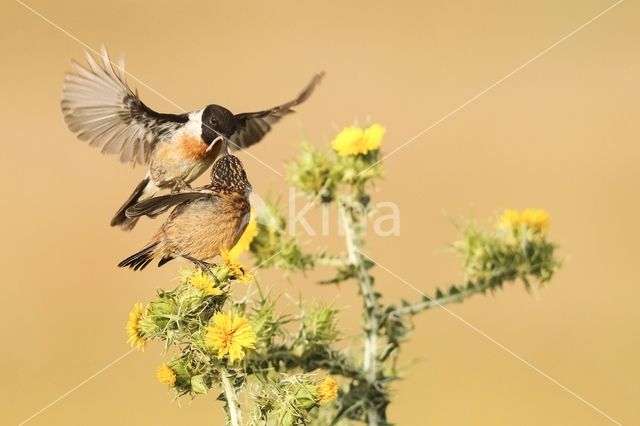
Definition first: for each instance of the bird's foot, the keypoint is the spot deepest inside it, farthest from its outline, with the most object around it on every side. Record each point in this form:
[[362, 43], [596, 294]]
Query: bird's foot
[[180, 185], [205, 266]]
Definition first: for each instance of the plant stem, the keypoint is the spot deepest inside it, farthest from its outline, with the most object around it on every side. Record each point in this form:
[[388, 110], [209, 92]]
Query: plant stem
[[335, 262], [370, 337], [235, 416], [436, 302]]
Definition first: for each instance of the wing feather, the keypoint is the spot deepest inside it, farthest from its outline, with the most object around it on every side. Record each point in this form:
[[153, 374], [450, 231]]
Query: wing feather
[[254, 125], [158, 205], [102, 110]]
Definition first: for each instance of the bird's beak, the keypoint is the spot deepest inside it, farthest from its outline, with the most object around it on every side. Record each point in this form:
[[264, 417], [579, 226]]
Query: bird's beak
[[213, 143]]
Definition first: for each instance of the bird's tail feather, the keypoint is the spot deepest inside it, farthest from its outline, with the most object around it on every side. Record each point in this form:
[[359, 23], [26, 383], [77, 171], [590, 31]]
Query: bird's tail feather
[[141, 259], [165, 260], [144, 190]]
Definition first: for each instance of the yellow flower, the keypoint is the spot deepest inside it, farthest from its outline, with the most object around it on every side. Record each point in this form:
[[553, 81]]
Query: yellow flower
[[137, 338], [327, 389], [353, 140], [537, 220], [204, 282], [166, 375], [349, 142], [236, 270], [534, 219], [510, 219], [230, 334], [373, 136], [243, 244]]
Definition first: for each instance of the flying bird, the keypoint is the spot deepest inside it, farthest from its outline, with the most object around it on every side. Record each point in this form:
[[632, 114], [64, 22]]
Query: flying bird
[[100, 107], [204, 222]]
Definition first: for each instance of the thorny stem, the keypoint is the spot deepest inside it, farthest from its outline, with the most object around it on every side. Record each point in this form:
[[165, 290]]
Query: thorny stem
[[235, 416], [462, 294], [370, 305], [328, 261], [436, 302]]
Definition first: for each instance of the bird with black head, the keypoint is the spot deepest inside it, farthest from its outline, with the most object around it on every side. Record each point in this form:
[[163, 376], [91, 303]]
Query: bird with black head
[[101, 109]]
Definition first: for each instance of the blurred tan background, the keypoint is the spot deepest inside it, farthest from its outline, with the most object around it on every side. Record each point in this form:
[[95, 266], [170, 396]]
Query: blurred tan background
[[562, 134]]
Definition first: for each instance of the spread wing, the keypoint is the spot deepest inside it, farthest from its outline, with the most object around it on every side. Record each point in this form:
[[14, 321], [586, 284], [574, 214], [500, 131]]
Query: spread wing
[[101, 109], [254, 125], [158, 205]]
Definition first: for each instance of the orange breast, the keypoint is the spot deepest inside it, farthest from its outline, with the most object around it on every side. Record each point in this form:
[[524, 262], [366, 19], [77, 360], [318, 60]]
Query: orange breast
[[193, 148]]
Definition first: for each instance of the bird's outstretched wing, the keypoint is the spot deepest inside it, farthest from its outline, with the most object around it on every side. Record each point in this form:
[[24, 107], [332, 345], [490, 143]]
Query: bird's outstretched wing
[[254, 125], [158, 205], [100, 107]]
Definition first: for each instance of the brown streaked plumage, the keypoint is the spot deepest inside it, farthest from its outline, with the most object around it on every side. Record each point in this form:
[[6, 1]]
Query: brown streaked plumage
[[204, 222], [103, 110]]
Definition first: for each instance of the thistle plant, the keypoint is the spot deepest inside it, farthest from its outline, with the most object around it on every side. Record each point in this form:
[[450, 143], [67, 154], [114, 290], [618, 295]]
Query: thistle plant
[[289, 366]]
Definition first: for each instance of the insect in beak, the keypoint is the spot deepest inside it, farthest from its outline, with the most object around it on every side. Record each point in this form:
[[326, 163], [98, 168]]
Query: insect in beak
[[212, 144]]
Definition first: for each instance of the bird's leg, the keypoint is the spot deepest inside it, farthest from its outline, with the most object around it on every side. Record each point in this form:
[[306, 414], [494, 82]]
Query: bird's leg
[[205, 266], [180, 185]]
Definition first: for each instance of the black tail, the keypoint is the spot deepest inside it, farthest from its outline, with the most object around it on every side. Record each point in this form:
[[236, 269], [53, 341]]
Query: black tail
[[121, 219], [141, 259]]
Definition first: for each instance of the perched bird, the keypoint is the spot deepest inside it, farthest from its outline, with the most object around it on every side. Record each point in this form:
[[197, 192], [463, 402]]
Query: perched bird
[[204, 222], [101, 109]]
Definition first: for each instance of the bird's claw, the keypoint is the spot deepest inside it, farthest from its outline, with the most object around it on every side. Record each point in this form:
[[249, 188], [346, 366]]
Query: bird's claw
[[180, 185], [205, 266]]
